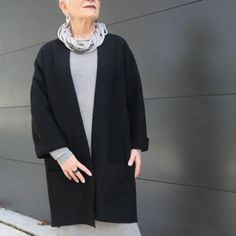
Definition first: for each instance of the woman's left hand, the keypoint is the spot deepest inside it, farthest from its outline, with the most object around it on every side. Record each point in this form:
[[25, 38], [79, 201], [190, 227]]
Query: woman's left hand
[[135, 156]]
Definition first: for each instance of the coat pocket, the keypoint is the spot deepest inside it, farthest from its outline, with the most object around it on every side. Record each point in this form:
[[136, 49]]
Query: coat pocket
[[64, 191], [118, 184]]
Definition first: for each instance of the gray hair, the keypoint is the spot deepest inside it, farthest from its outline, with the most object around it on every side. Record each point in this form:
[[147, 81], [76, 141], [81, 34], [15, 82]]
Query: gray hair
[[66, 1]]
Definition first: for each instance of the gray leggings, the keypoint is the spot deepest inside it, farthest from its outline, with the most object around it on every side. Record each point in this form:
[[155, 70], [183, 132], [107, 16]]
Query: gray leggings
[[102, 229]]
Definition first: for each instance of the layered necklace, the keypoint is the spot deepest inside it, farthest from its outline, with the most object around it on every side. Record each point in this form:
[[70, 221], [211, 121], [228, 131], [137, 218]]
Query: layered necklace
[[82, 45]]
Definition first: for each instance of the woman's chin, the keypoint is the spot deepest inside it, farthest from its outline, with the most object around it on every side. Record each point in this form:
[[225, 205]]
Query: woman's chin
[[90, 16]]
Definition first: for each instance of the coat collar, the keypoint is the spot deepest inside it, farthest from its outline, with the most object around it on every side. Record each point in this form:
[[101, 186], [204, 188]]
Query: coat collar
[[69, 89]]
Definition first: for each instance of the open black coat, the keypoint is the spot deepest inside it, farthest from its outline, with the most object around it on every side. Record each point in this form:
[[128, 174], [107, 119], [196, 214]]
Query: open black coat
[[118, 125]]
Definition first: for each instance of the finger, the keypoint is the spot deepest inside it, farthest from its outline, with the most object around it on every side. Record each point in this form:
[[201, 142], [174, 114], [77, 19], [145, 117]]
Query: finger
[[131, 159], [137, 166], [84, 168], [67, 175], [73, 176], [137, 169], [80, 176]]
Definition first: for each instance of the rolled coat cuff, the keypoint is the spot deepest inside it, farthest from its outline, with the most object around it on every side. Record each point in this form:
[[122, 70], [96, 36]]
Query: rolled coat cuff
[[141, 143]]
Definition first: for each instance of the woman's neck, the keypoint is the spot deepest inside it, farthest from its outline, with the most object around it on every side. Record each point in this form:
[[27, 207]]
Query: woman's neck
[[82, 29]]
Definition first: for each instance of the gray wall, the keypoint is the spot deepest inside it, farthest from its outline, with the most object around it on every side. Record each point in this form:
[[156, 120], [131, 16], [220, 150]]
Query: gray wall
[[186, 54]]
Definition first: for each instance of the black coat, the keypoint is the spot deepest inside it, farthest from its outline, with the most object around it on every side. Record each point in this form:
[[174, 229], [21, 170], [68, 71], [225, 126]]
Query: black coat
[[119, 124]]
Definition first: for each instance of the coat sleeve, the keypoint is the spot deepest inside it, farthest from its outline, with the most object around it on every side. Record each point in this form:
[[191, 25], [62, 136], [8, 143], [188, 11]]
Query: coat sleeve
[[135, 103], [45, 131]]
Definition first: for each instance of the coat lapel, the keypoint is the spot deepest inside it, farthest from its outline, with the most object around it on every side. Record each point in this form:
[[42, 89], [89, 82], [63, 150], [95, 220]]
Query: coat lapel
[[69, 89]]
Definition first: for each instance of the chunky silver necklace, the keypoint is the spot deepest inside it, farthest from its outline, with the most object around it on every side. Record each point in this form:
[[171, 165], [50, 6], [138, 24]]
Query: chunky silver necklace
[[82, 45]]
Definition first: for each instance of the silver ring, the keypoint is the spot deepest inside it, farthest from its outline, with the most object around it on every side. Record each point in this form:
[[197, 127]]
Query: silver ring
[[76, 170]]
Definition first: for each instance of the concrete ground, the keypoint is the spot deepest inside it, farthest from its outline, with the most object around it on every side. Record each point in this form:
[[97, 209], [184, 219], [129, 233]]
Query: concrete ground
[[16, 224], [10, 231]]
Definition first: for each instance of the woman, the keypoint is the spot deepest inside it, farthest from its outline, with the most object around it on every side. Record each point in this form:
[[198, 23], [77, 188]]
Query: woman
[[89, 125]]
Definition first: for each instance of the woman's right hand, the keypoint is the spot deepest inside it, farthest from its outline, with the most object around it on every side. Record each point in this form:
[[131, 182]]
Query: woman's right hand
[[71, 164]]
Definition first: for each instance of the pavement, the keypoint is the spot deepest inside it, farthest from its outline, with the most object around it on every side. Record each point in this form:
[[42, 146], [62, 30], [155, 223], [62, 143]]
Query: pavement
[[15, 224]]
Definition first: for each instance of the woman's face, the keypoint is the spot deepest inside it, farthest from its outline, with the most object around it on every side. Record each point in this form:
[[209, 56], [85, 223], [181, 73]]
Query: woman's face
[[78, 9]]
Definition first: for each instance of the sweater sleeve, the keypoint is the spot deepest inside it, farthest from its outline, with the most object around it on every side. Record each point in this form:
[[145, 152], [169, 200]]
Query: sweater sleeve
[[46, 134], [61, 154], [135, 102]]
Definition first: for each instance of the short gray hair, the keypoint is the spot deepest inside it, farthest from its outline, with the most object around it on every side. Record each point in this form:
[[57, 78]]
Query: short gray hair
[[66, 1]]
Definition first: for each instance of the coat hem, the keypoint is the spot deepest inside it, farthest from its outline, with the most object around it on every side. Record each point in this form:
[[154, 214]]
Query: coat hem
[[60, 216], [116, 213]]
